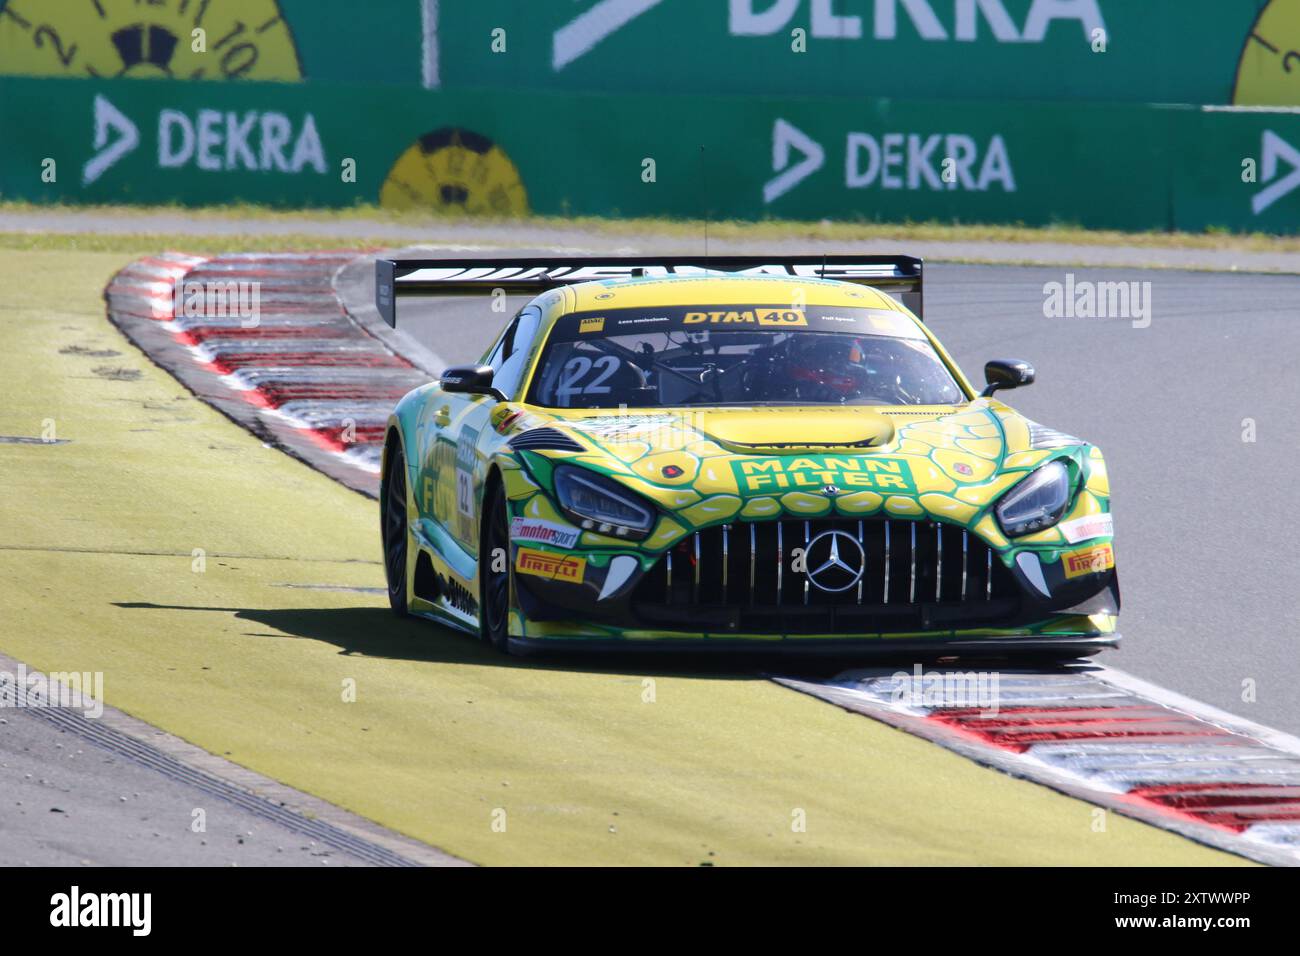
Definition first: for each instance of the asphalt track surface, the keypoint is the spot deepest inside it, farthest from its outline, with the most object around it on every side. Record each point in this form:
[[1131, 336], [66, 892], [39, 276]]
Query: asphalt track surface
[[1206, 523], [68, 802]]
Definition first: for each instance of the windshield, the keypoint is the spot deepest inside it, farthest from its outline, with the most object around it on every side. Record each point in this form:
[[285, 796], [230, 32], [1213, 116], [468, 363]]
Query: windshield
[[739, 355]]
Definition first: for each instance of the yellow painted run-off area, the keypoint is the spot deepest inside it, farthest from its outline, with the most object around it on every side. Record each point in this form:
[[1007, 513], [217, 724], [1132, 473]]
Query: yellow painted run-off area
[[250, 654]]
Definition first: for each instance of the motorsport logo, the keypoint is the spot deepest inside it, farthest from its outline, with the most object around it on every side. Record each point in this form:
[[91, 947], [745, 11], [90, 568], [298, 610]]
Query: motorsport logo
[[555, 567], [816, 472], [210, 140], [893, 161], [1089, 526], [543, 532]]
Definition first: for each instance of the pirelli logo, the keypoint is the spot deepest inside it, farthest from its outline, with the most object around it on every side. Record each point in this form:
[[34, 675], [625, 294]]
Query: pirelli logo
[[1088, 561], [554, 567], [790, 318]]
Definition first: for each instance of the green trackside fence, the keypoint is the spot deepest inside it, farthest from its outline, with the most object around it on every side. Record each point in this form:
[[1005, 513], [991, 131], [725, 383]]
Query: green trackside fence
[[1123, 166], [1147, 51], [1143, 51]]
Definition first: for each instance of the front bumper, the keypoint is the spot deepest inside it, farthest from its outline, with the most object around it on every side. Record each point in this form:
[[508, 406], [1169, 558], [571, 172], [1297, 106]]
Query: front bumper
[[992, 648], [927, 583]]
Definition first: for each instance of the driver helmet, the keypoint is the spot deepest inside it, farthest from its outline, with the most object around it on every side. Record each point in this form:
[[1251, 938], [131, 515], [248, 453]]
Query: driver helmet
[[834, 362]]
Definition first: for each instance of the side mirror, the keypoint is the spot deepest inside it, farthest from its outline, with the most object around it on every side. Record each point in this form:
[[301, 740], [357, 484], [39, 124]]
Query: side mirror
[[1006, 373], [472, 380]]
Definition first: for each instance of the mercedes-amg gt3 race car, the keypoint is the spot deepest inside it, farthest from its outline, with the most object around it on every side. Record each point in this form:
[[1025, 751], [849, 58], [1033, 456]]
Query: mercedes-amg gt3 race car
[[743, 453]]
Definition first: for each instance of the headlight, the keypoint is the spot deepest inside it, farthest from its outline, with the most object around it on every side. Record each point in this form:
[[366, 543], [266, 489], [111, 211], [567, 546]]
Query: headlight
[[1037, 502], [598, 504]]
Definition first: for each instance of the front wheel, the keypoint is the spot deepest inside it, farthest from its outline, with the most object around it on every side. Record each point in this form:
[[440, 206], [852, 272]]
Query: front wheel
[[495, 584], [392, 522]]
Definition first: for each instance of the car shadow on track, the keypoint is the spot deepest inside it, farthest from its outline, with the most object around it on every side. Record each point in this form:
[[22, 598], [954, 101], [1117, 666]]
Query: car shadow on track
[[374, 632]]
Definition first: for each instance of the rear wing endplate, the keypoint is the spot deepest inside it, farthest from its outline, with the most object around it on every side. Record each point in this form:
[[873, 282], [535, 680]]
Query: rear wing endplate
[[899, 276]]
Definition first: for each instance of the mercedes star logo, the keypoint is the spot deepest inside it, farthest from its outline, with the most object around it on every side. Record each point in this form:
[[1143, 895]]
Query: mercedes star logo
[[835, 561]]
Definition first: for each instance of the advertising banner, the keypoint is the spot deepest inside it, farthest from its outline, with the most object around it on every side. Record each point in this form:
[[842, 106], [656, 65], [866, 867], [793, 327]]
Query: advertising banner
[[1138, 51], [1119, 166], [1216, 52]]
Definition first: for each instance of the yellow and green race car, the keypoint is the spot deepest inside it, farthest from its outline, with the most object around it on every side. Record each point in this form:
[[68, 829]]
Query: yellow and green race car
[[743, 453]]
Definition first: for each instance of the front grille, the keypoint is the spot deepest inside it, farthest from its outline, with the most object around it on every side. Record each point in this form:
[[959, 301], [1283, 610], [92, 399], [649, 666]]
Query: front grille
[[918, 575]]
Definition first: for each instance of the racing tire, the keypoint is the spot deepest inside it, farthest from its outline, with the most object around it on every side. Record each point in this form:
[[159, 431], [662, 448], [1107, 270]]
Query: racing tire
[[392, 523], [496, 587]]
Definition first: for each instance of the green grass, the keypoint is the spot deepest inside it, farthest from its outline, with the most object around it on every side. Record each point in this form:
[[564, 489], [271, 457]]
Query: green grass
[[150, 243], [822, 231]]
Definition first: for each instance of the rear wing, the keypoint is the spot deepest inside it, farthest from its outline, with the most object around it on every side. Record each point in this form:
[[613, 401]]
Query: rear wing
[[900, 276]]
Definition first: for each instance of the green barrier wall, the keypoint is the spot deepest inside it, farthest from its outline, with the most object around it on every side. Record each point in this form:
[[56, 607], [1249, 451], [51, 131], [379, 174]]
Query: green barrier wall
[[1115, 166], [1152, 51], [1145, 51]]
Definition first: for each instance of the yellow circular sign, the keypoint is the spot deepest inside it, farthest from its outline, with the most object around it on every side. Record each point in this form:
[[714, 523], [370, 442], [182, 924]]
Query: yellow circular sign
[[170, 39], [1268, 73], [455, 171]]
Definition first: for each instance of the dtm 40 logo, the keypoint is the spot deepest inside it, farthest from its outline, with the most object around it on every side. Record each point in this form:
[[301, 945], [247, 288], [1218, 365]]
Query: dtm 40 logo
[[777, 317], [816, 472]]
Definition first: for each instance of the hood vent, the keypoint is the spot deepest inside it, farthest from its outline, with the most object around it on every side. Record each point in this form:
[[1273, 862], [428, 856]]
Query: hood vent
[[1040, 436], [544, 439]]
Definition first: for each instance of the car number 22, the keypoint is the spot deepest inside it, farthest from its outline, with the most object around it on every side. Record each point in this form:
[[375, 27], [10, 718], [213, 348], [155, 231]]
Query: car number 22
[[576, 371]]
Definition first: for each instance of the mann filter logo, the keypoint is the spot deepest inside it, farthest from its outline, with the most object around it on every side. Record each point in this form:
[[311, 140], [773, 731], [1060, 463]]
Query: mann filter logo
[[1088, 561], [815, 472], [242, 39], [769, 317], [556, 567]]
